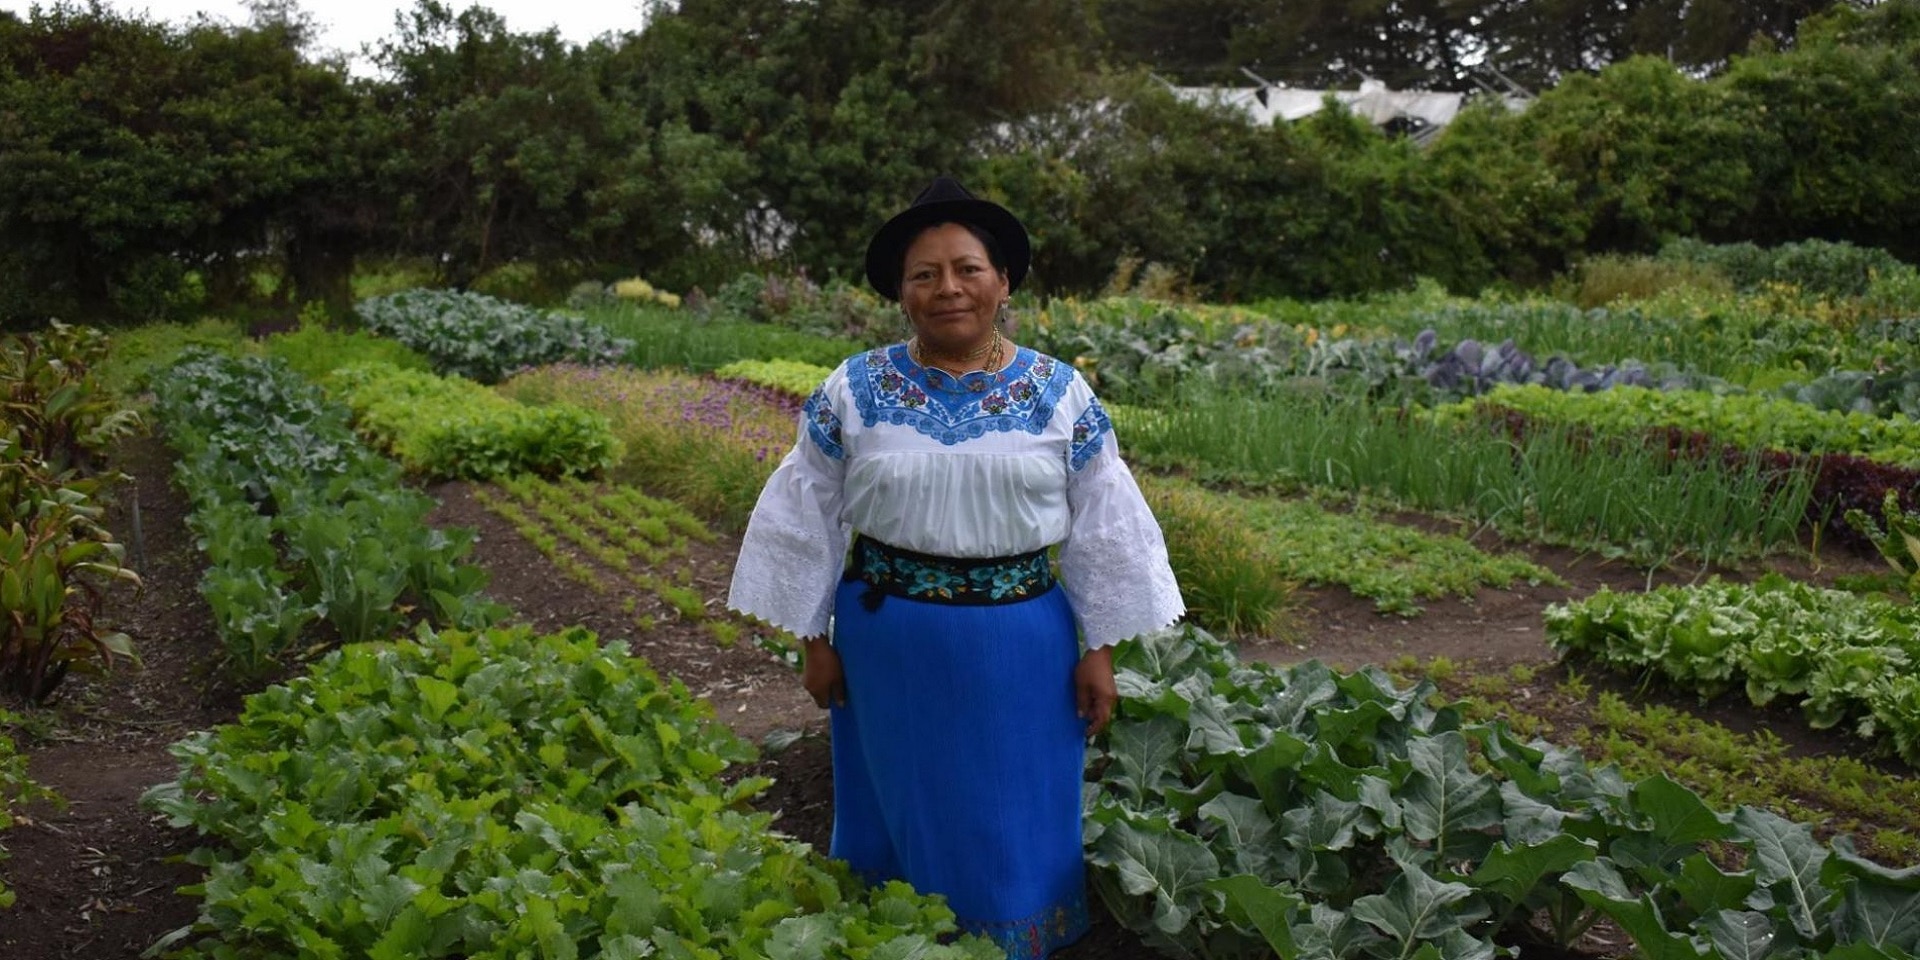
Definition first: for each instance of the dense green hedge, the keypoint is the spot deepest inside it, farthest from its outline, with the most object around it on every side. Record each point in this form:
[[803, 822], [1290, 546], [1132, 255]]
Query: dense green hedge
[[679, 154]]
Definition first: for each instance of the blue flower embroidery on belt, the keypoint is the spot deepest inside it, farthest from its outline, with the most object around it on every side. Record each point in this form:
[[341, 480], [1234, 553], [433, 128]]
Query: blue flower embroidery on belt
[[890, 571]]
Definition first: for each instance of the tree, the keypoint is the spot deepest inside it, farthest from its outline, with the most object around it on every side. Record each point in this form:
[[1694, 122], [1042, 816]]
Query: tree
[[1843, 108], [147, 163]]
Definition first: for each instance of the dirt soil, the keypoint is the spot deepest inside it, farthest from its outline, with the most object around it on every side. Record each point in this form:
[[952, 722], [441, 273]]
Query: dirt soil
[[98, 879]]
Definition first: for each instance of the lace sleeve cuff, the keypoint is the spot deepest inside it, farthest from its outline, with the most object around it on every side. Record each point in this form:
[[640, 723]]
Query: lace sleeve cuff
[[1113, 564], [792, 552]]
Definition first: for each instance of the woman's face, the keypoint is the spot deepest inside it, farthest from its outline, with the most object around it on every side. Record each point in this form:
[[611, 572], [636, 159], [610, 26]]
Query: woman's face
[[951, 290]]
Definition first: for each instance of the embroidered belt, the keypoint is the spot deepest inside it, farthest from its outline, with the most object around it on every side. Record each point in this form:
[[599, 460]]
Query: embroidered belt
[[891, 571]]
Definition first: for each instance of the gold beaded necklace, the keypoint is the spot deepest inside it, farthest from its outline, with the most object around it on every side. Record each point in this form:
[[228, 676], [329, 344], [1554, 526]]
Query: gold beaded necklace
[[994, 350]]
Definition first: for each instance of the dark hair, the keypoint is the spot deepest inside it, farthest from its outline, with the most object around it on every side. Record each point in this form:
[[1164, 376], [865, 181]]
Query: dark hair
[[994, 256]]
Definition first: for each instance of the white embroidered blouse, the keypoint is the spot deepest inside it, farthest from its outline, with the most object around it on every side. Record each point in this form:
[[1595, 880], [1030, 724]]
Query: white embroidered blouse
[[983, 465]]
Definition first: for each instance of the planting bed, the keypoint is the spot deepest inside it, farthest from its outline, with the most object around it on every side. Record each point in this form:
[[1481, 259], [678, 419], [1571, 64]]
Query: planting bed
[[97, 879]]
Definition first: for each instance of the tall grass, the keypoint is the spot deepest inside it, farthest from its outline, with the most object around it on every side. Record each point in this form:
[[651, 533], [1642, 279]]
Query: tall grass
[[1227, 580], [1559, 486], [664, 337]]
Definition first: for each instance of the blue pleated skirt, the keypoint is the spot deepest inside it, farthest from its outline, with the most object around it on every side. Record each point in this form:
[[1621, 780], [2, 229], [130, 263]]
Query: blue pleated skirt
[[957, 761]]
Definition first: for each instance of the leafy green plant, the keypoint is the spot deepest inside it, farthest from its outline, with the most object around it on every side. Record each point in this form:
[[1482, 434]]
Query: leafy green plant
[[454, 428], [787, 376], [304, 526], [1395, 566], [1898, 542], [480, 338], [502, 794], [1750, 421], [707, 444], [1845, 657], [1227, 579], [54, 557], [315, 351], [1835, 793], [60, 412], [1244, 811]]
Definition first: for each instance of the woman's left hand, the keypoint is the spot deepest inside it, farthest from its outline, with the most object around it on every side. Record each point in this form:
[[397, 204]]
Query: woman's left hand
[[1095, 696]]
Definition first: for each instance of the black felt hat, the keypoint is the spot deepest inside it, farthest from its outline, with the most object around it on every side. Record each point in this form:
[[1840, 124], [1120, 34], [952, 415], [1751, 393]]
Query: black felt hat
[[945, 201]]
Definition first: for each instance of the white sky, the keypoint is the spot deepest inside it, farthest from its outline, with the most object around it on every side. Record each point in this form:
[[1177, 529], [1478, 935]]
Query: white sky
[[345, 25]]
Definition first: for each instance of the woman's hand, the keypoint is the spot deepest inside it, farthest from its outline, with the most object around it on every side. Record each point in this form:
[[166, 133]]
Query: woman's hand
[[1095, 696], [822, 675]]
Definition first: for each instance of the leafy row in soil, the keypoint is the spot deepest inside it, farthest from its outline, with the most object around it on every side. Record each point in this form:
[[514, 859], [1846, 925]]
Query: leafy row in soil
[[1750, 421], [54, 551], [1832, 792], [481, 338], [597, 533], [1245, 811], [1848, 658], [500, 794], [311, 538], [451, 427]]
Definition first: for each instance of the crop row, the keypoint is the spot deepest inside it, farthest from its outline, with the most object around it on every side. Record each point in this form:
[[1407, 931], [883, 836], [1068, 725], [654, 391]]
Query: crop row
[[55, 553], [1847, 658], [499, 794], [600, 533], [1245, 812], [311, 538], [1835, 793]]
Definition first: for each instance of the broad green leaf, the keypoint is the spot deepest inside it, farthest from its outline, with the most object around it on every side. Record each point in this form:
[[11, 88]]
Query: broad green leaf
[[1600, 886], [1144, 754], [1704, 887], [1739, 934], [405, 939], [1326, 824], [1679, 815], [1212, 728], [1514, 872], [1270, 769], [1376, 796], [1847, 862], [1307, 685], [1244, 828], [1329, 934], [1417, 909], [1267, 909], [804, 938], [1862, 951], [1324, 768], [1443, 796], [1187, 801], [1460, 945], [1520, 763], [625, 946], [1354, 725], [1170, 866], [910, 947], [1528, 821], [1787, 860], [1886, 917]]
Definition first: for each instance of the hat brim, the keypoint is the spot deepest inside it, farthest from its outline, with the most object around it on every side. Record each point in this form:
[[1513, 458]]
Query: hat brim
[[887, 251]]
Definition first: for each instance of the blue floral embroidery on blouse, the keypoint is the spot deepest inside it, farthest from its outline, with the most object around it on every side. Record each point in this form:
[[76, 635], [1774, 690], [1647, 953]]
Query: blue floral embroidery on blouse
[[823, 425], [1089, 432], [952, 409]]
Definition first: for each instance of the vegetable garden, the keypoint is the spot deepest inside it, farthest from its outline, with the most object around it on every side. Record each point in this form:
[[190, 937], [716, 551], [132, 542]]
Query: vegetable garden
[[1518, 628]]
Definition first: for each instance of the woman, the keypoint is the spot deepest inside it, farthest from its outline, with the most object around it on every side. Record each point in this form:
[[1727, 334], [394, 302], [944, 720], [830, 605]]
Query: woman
[[959, 693]]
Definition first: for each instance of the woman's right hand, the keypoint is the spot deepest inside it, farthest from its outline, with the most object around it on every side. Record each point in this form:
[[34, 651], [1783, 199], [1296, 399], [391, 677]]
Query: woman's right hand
[[821, 674]]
